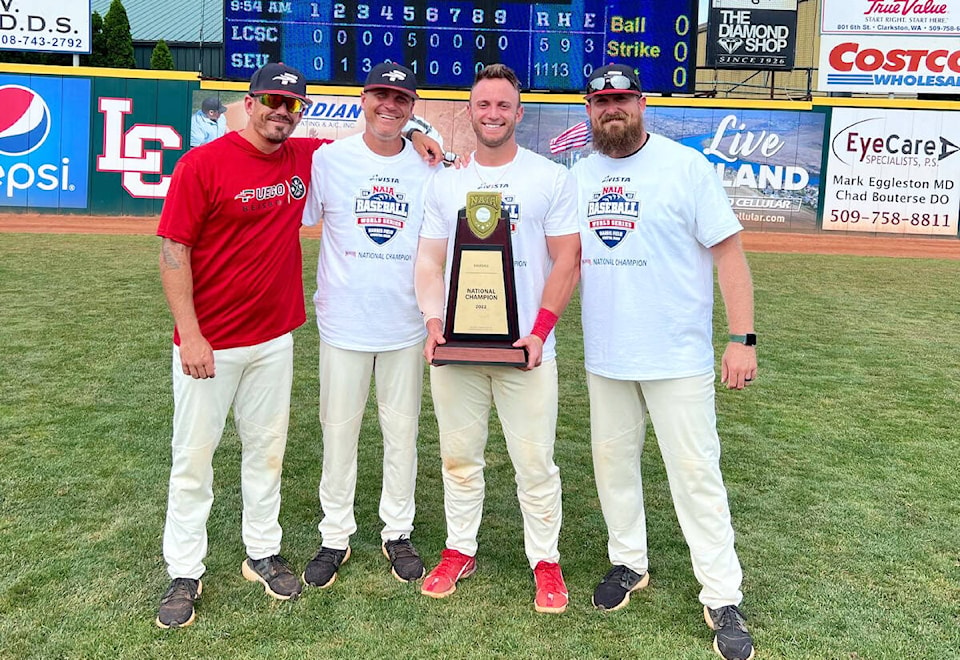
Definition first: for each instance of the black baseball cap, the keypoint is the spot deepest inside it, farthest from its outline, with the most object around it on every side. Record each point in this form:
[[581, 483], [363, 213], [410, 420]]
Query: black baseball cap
[[613, 79], [390, 75], [212, 103], [278, 78]]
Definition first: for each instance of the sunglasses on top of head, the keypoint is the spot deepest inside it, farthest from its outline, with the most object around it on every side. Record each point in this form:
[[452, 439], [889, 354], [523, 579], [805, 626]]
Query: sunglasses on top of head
[[274, 101], [612, 81]]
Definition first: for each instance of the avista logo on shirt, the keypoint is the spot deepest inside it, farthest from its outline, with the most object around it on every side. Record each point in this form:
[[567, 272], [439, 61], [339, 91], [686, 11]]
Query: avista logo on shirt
[[611, 214], [295, 186], [381, 212]]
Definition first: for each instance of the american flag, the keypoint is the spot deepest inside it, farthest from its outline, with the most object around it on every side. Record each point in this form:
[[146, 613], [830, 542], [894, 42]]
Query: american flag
[[573, 137]]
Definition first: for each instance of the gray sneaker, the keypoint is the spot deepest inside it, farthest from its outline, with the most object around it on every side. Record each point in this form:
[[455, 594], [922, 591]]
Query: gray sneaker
[[405, 561], [322, 570], [176, 606], [732, 641], [615, 588], [274, 574]]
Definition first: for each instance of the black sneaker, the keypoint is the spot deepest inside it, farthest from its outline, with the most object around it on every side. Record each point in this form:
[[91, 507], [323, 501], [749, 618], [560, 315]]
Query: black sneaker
[[405, 561], [321, 571], [732, 641], [274, 574], [176, 606], [615, 588]]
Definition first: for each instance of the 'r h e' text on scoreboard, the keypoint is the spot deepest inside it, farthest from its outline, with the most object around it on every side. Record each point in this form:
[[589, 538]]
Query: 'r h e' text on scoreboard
[[551, 45]]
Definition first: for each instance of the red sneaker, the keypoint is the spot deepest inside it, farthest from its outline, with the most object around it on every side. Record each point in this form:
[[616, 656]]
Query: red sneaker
[[552, 594], [442, 581]]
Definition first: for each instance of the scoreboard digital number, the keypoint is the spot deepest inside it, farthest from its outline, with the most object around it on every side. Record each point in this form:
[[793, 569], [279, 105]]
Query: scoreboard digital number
[[551, 45]]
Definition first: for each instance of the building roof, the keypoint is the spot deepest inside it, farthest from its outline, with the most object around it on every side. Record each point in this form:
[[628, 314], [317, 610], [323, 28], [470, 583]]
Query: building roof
[[171, 20]]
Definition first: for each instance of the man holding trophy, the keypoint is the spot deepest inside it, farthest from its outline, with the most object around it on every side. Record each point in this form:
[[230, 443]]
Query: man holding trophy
[[501, 238]]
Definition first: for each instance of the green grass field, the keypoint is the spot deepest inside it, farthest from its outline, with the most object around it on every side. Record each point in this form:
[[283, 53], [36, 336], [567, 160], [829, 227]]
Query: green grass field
[[841, 463]]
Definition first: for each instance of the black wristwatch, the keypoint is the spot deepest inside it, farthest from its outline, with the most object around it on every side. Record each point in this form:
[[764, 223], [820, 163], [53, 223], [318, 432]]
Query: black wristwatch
[[748, 339]]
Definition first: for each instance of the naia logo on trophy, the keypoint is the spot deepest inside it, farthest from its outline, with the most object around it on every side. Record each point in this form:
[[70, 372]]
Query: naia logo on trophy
[[381, 213], [612, 214]]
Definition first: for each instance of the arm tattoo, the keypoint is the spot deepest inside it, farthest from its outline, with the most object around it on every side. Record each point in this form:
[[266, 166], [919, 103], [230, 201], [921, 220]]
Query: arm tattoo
[[171, 254]]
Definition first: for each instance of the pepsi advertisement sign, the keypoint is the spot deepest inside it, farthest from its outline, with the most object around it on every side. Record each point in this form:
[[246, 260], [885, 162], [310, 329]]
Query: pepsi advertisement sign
[[44, 141]]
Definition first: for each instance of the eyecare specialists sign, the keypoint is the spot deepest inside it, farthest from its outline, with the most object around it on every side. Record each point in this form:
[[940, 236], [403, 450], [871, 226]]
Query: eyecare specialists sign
[[893, 172]]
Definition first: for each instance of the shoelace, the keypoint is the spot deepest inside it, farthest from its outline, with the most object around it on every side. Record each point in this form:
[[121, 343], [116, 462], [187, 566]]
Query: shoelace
[[621, 575], [402, 549], [181, 588], [274, 563], [451, 565], [548, 577], [328, 556], [729, 615]]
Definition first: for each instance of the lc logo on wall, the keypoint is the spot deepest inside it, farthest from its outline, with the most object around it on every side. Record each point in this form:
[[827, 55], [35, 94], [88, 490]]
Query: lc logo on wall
[[42, 163], [126, 152]]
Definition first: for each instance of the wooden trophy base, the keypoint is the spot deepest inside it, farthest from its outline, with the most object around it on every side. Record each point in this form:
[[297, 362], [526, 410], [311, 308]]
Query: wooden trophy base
[[479, 354]]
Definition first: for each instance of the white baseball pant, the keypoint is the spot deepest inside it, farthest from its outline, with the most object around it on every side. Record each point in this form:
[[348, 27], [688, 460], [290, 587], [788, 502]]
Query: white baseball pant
[[344, 388], [527, 407], [256, 381], [684, 417]]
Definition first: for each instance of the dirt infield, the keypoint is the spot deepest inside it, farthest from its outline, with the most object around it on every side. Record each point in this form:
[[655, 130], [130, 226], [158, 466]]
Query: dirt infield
[[938, 248]]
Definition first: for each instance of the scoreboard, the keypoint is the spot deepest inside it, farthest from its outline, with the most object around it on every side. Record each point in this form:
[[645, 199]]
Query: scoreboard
[[551, 45]]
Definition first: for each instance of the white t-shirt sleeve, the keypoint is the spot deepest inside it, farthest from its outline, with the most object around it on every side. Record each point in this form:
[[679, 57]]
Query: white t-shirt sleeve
[[434, 223], [715, 219], [561, 218], [313, 210]]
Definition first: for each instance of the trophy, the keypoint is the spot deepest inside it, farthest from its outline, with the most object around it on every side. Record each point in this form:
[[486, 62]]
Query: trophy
[[482, 304]]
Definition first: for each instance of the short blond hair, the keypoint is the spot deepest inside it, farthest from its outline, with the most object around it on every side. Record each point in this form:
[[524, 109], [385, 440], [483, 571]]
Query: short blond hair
[[497, 72]]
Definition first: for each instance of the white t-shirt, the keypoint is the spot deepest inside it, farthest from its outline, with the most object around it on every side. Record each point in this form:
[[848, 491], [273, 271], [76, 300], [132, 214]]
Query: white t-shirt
[[372, 208], [646, 272], [541, 199]]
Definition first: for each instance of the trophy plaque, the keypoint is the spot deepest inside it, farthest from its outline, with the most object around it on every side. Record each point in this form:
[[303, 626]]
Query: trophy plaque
[[482, 304]]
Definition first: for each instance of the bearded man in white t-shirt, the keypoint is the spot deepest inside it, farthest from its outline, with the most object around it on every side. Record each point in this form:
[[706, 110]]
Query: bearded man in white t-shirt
[[368, 190], [540, 198], [654, 220]]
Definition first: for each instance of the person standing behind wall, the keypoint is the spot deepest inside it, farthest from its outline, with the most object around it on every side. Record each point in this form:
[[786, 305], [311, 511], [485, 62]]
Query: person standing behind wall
[[208, 123]]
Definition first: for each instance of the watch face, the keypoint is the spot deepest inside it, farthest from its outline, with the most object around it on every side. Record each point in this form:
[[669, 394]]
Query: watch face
[[750, 340]]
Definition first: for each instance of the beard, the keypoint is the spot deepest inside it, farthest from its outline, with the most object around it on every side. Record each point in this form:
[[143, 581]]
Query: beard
[[621, 138], [277, 134]]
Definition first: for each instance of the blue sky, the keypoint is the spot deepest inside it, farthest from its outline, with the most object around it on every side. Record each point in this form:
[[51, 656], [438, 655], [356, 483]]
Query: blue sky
[[703, 11]]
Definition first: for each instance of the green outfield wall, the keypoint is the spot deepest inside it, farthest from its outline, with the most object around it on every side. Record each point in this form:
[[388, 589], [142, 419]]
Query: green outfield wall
[[105, 142]]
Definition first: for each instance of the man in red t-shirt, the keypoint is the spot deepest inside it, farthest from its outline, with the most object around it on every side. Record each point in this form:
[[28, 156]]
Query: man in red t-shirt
[[231, 270]]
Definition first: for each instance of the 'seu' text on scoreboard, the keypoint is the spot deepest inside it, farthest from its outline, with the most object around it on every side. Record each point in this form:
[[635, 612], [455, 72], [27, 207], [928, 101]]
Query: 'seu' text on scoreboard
[[551, 45]]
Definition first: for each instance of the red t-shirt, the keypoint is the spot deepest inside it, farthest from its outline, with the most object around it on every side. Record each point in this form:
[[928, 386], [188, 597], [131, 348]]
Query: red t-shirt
[[239, 210]]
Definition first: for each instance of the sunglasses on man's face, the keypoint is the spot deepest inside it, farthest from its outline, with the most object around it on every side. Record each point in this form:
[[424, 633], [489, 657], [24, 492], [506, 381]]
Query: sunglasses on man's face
[[274, 101], [612, 81]]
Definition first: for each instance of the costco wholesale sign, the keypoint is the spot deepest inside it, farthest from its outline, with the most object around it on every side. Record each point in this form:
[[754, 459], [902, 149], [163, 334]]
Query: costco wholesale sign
[[52, 26], [893, 172], [890, 46]]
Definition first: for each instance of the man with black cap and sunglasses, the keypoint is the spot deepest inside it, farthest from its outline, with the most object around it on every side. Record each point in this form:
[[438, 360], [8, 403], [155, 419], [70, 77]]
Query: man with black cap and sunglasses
[[230, 266], [368, 191], [661, 210]]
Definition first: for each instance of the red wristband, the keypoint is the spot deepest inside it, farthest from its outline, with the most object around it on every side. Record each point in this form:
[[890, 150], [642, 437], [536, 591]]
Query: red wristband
[[545, 322]]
